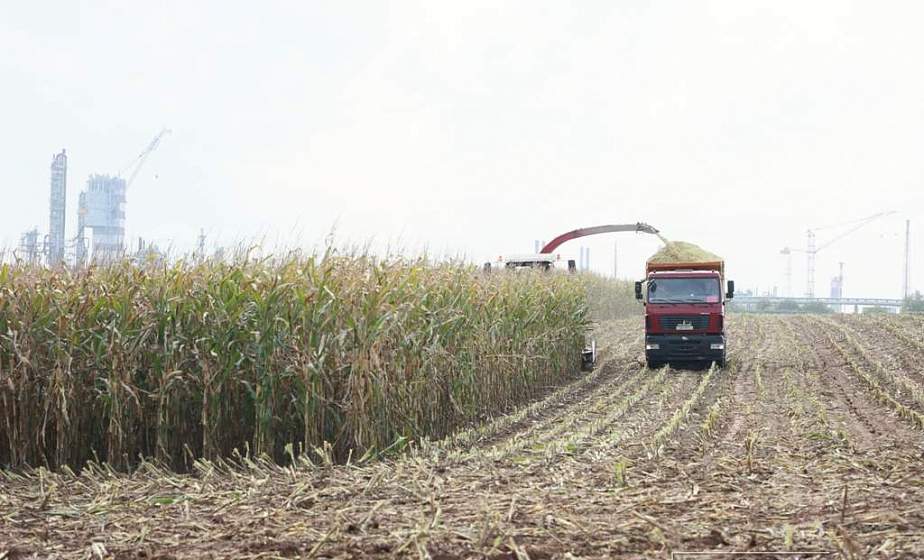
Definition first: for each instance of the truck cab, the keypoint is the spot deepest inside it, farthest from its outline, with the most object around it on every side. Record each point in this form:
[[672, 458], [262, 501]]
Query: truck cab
[[684, 312]]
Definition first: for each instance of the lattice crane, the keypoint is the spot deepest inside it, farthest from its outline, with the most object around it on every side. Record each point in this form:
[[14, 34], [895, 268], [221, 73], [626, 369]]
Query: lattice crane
[[812, 248], [135, 166]]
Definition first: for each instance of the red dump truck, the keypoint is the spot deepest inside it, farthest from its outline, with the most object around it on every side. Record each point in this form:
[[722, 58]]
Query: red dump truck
[[684, 312]]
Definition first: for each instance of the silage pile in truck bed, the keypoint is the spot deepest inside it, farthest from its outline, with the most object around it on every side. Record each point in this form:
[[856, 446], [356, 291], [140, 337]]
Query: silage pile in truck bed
[[682, 252]]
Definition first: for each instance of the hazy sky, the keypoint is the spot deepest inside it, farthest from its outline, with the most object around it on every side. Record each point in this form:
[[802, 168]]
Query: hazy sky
[[475, 128]]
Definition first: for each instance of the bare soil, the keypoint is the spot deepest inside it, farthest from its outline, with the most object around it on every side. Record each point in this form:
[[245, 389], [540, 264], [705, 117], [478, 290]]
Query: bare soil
[[806, 442]]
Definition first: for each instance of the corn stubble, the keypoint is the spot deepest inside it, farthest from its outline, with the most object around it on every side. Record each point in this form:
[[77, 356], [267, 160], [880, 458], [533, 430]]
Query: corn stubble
[[346, 352]]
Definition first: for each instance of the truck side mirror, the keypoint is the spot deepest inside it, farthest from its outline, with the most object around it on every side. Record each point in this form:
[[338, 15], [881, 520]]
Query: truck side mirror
[[638, 290], [731, 290], [572, 266]]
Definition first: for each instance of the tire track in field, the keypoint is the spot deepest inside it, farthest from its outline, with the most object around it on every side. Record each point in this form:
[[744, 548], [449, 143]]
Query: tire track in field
[[584, 412], [563, 473], [590, 400], [745, 379], [647, 414], [721, 394], [811, 462], [731, 384], [601, 501], [637, 415], [689, 439], [743, 396], [609, 404], [888, 344], [847, 400], [740, 400], [892, 388], [789, 485], [614, 364], [711, 488], [592, 407], [526, 491], [911, 325]]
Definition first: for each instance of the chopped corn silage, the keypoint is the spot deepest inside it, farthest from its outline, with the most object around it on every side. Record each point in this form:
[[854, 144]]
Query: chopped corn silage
[[681, 251]]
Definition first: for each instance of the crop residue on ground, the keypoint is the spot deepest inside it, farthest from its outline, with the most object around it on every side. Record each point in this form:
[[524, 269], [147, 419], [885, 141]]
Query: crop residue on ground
[[810, 439]]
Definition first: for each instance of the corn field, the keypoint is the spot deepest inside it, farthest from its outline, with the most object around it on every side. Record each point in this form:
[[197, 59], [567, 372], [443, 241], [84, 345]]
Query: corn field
[[272, 357], [807, 444]]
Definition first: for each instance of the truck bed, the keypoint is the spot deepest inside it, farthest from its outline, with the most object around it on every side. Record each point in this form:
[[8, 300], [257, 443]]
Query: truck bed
[[718, 266]]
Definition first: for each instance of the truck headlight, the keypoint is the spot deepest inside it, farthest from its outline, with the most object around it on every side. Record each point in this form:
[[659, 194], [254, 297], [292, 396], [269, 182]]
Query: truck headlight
[[717, 346], [652, 347]]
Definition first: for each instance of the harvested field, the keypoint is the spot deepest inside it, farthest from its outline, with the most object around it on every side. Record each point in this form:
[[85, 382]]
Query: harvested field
[[811, 439]]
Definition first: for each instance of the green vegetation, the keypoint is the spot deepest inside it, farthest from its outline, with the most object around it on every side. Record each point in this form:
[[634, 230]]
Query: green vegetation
[[347, 354], [610, 299], [876, 310], [782, 307], [816, 307], [914, 304]]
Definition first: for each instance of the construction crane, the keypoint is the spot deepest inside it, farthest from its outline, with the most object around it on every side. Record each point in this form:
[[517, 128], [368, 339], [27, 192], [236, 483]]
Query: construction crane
[[136, 165], [812, 248]]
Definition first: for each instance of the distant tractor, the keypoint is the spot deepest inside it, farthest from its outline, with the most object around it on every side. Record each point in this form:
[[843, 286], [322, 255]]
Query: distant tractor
[[545, 260], [539, 261]]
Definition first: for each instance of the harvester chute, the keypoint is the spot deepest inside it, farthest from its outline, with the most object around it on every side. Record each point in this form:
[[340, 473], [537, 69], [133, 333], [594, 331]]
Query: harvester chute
[[584, 232]]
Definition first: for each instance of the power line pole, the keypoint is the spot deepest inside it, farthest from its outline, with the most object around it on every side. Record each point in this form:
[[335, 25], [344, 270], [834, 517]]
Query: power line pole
[[615, 259], [201, 248], [810, 265], [585, 259], [787, 274], [906, 281]]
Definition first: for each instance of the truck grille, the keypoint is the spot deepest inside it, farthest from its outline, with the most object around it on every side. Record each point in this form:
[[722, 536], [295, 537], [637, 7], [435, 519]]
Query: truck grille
[[699, 322], [685, 349]]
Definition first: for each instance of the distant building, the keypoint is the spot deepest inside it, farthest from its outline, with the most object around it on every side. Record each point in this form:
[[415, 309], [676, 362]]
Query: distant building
[[102, 212], [57, 207], [837, 287], [29, 248]]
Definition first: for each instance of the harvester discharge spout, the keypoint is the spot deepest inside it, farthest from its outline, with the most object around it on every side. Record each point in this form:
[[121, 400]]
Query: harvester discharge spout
[[584, 232]]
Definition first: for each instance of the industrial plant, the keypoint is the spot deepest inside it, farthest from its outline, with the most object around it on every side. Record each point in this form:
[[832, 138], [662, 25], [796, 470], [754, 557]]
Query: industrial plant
[[100, 235], [101, 224]]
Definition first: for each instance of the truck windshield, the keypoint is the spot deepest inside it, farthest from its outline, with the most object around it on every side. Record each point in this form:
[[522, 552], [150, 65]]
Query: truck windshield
[[683, 290]]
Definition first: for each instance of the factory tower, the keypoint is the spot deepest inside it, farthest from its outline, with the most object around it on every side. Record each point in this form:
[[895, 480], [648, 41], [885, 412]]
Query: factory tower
[[101, 210], [57, 206]]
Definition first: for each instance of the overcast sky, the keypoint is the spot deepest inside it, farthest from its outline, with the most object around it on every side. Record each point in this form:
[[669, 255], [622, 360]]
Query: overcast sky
[[474, 128]]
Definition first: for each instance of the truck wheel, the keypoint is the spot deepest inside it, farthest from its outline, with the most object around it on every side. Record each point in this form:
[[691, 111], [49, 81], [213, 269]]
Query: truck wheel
[[652, 364], [720, 363]]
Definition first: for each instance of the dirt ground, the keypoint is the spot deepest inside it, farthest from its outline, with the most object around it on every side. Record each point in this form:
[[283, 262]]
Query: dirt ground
[[809, 441]]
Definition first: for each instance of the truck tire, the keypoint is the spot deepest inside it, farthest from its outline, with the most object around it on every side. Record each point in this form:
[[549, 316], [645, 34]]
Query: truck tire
[[653, 364], [720, 363]]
